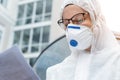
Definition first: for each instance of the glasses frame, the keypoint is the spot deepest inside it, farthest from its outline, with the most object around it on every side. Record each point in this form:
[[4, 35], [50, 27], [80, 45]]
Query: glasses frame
[[60, 21]]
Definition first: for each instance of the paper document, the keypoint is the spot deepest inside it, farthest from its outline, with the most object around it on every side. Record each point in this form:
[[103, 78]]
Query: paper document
[[13, 66]]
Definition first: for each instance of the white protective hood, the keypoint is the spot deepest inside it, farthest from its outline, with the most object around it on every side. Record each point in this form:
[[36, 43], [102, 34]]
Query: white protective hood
[[102, 63]]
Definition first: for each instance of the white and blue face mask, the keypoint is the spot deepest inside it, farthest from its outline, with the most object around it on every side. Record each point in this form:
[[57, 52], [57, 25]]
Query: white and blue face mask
[[79, 37]]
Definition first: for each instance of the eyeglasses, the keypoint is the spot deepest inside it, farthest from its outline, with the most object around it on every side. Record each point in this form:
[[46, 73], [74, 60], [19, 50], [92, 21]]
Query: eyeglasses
[[76, 19]]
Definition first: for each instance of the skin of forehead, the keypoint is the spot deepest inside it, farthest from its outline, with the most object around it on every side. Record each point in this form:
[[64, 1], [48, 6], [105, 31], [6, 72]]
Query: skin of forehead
[[71, 10]]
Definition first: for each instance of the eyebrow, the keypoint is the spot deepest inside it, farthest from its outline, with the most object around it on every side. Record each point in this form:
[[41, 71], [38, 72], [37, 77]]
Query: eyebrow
[[76, 14]]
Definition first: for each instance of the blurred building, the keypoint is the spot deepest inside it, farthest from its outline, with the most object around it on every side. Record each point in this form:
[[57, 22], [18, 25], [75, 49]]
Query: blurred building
[[29, 24], [8, 10]]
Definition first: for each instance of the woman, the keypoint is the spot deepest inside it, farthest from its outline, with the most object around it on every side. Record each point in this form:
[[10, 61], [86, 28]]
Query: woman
[[94, 50]]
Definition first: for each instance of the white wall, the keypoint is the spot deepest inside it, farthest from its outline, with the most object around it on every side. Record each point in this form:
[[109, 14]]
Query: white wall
[[56, 31], [111, 11], [12, 8], [7, 21]]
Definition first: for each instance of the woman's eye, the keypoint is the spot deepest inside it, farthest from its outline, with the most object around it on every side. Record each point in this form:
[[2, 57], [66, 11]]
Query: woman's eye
[[81, 20]]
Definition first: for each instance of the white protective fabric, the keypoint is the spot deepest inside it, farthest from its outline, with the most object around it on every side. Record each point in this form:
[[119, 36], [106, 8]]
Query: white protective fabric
[[102, 63], [78, 37]]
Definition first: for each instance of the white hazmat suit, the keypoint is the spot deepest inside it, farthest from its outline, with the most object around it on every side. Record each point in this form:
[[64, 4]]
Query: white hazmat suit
[[102, 62]]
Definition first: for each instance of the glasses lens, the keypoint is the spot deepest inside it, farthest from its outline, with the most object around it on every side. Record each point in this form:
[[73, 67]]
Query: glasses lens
[[66, 22], [78, 18], [62, 23]]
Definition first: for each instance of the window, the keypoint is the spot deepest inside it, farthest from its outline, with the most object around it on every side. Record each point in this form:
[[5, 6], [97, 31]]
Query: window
[[36, 35], [20, 17], [34, 12], [39, 8], [30, 37], [3, 2], [48, 6], [21, 11], [32, 40], [17, 37], [45, 36], [48, 10], [29, 10], [29, 13], [26, 37], [39, 11], [25, 13]]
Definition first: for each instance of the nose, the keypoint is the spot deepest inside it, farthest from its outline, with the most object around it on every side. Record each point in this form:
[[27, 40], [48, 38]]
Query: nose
[[73, 21], [70, 22]]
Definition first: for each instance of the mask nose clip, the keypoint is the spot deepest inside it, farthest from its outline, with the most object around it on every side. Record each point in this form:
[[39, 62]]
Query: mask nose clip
[[73, 27]]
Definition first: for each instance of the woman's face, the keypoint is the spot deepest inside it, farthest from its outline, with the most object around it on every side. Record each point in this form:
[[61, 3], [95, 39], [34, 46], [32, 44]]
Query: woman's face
[[77, 14]]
